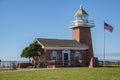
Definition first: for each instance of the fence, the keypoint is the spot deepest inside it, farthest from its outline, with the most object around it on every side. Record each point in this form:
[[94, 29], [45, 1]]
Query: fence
[[12, 65], [109, 63], [5, 65]]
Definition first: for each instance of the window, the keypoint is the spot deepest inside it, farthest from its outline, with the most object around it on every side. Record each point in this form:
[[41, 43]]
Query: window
[[54, 55], [77, 56]]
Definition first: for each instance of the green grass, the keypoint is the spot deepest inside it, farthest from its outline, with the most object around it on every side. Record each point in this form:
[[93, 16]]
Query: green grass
[[63, 74]]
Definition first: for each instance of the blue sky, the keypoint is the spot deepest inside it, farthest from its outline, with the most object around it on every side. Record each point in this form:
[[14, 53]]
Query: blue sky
[[21, 21]]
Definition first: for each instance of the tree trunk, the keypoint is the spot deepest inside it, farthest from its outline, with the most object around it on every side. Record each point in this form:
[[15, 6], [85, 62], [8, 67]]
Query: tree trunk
[[29, 60]]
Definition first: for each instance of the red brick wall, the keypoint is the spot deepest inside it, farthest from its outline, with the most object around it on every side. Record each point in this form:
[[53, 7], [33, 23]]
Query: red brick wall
[[46, 55], [23, 65], [83, 34], [85, 37], [76, 34]]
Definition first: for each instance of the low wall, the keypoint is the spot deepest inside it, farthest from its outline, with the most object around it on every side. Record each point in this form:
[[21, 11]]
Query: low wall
[[23, 65]]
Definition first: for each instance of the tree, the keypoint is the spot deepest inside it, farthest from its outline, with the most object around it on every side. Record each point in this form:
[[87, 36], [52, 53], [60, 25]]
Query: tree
[[32, 51]]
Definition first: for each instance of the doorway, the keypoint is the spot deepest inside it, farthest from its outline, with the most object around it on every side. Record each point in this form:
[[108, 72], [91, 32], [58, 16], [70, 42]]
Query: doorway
[[66, 57]]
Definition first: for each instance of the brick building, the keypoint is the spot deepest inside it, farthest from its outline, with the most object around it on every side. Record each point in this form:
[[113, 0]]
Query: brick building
[[75, 52]]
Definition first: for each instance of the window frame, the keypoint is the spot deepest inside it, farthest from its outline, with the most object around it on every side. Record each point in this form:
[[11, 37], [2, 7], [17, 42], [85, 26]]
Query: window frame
[[78, 54], [54, 55]]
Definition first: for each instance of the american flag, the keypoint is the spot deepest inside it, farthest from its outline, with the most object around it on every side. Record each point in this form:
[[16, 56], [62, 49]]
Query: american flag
[[108, 27]]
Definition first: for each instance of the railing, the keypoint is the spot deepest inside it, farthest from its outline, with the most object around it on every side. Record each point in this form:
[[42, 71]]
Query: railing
[[8, 65], [109, 64], [89, 23], [68, 62]]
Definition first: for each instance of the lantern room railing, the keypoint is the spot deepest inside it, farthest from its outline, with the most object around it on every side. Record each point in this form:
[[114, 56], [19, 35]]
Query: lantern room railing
[[86, 23]]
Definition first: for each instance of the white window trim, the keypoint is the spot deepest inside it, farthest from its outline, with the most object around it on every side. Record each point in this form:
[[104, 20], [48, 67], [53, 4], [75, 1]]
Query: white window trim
[[68, 52], [79, 54], [55, 55]]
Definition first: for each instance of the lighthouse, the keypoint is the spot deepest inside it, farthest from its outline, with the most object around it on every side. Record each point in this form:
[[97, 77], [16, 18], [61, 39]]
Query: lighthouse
[[75, 52], [82, 31]]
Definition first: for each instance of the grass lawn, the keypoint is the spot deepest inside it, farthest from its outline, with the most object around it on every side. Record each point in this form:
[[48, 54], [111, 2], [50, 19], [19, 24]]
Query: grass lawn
[[63, 74]]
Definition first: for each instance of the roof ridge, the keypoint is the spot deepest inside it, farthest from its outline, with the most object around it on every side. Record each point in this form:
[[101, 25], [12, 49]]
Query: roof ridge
[[56, 39]]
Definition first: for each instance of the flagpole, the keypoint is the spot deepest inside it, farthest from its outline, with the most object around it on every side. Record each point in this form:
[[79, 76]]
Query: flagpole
[[104, 49], [109, 28]]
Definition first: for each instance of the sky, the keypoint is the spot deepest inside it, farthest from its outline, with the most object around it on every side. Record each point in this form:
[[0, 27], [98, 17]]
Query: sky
[[21, 21]]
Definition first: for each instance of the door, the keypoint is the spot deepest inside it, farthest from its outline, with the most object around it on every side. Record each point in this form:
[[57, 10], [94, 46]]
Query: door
[[65, 58]]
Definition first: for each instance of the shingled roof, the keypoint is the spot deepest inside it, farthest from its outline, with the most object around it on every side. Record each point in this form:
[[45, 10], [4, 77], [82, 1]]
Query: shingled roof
[[61, 44], [81, 12]]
